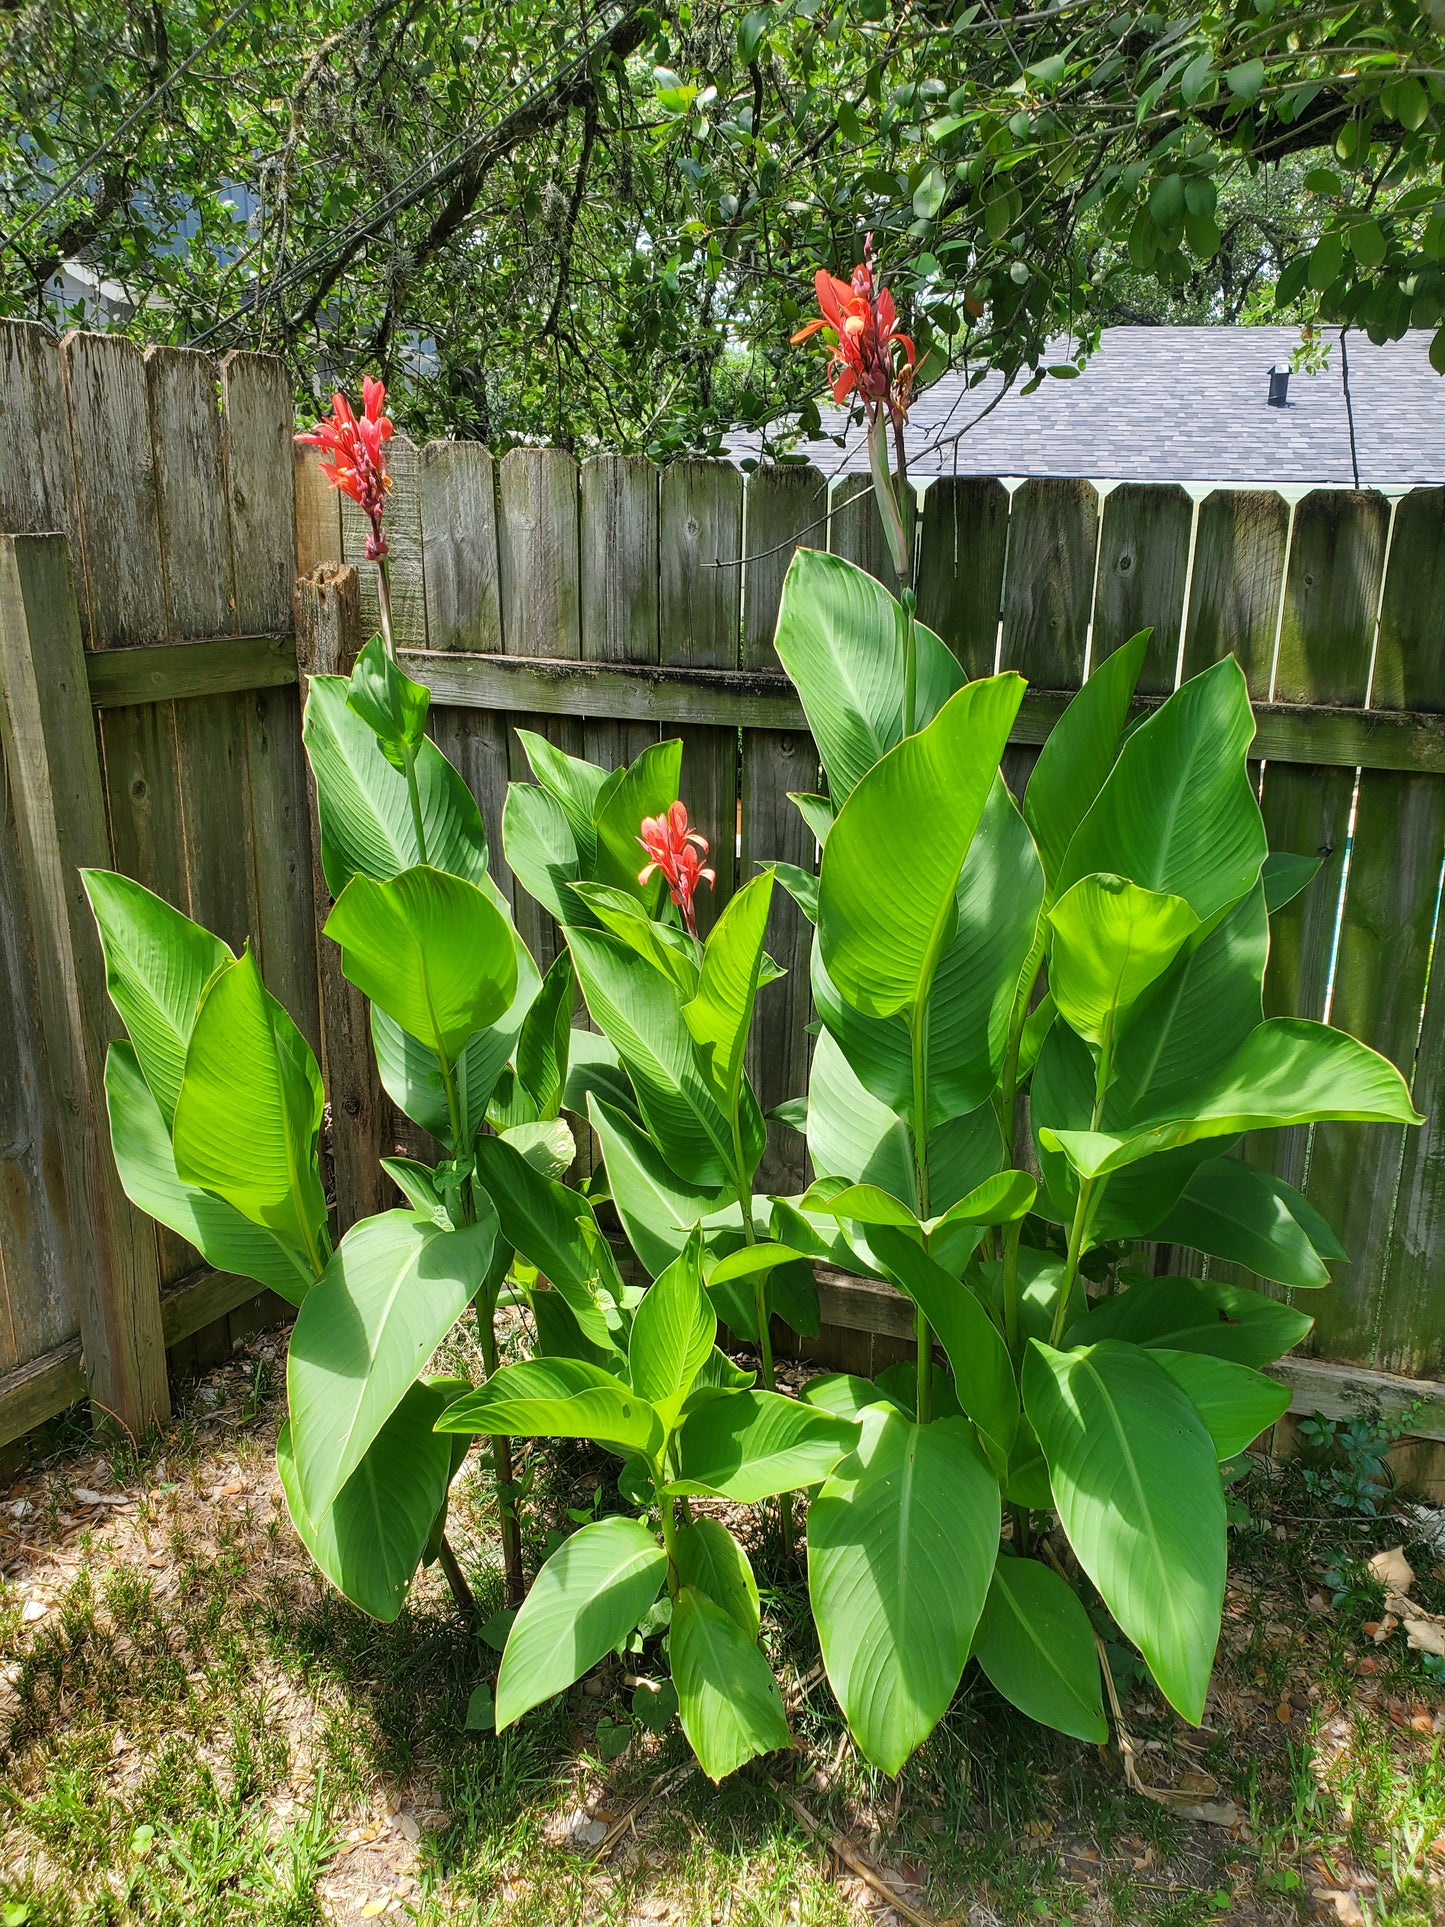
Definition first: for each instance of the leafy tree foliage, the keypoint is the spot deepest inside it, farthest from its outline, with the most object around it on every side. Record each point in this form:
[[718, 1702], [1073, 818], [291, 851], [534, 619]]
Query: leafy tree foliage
[[598, 225]]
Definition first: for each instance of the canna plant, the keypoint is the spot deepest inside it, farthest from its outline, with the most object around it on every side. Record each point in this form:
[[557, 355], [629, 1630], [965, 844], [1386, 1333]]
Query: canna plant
[[1080, 979]]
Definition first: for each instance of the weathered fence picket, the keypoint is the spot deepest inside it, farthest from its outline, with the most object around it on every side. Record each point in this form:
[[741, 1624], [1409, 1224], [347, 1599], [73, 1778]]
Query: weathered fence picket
[[603, 603]]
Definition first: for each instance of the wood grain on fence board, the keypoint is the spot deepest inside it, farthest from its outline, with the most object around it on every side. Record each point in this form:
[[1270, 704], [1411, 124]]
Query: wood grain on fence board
[[1379, 986], [618, 578], [1410, 670], [54, 775], [1409, 660], [855, 528], [464, 611], [37, 487], [191, 504], [123, 599], [1143, 566], [459, 546], [1331, 594], [699, 611], [216, 666], [541, 611], [1239, 557], [780, 505], [1049, 583], [317, 508], [962, 547], [258, 422], [1411, 1330], [1386, 931], [38, 1306], [1307, 807], [328, 639]]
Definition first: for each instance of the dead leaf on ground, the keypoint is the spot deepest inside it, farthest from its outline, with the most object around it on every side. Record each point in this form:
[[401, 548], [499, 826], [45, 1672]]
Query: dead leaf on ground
[[1392, 1569], [1346, 1905], [1426, 1635]]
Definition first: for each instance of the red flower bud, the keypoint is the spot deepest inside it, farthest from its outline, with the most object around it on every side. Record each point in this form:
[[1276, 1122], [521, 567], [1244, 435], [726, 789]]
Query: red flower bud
[[353, 455], [678, 853]]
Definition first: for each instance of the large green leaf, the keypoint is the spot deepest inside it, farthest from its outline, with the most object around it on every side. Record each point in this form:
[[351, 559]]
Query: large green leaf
[[585, 1600], [901, 1547], [710, 1559], [1109, 942], [225, 1238], [672, 1335], [541, 850], [663, 945], [721, 1014], [728, 1700], [1287, 1071], [575, 785], [998, 896], [1177, 812], [641, 1013], [840, 636], [543, 1219], [1235, 1402], [1136, 1483], [248, 1114], [1196, 1315], [982, 1371], [545, 1039], [656, 1207], [364, 805], [852, 1136], [558, 1398], [1237, 1211], [393, 707], [887, 897], [370, 1539], [1037, 1647], [648, 787], [1079, 754], [157, 964], [754, 1445], [393, 1290], [411, 1073], [431, 949]]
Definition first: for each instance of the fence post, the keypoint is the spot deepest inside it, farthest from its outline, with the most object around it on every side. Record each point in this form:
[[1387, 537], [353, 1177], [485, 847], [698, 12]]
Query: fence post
[[54, 767], [328, 640]]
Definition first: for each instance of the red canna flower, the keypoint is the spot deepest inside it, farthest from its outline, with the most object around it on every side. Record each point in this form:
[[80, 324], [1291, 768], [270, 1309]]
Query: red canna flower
[[678, 852], [353, 455], [871, 357]]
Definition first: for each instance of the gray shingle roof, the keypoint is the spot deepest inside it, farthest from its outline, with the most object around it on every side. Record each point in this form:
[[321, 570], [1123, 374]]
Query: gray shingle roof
[[1183, 405]]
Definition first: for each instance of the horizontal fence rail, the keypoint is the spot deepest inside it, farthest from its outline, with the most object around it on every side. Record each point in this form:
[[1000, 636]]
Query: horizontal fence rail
[[601, 604]]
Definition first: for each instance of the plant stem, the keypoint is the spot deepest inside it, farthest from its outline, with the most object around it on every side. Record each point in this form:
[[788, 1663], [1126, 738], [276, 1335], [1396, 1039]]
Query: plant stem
[[910, 662], [669, 1536], [1011, 1236], [1088, 1187], [919, 1039], [383, 606], [502, 1472], [456, 1579], [414, 794], [762, 1318]]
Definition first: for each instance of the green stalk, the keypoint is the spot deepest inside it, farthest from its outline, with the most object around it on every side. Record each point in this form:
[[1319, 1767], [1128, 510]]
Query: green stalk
[[669, 1537], [383, 606], [1089, 1188], [910, 662], [919, 1038], [760, 1312], [1011, 1236], [414, 794], [502, 1468]]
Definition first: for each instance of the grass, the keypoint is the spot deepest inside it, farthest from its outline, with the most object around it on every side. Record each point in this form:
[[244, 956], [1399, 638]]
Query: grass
[[195, 1729]]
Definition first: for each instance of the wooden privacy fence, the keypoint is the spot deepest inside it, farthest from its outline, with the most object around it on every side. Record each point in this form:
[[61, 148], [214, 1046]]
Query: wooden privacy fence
[[151, 721]]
